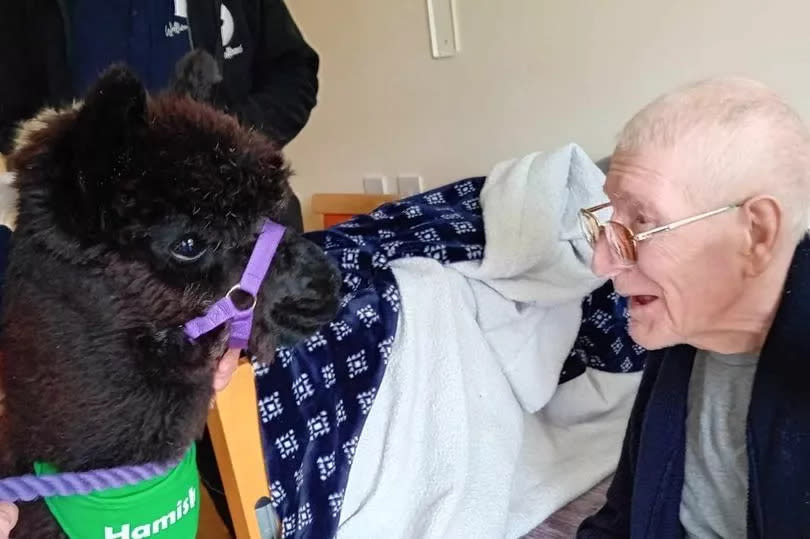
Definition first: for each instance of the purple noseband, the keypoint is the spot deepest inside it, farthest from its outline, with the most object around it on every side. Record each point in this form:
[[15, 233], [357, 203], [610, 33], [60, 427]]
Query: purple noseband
[[225, 310]]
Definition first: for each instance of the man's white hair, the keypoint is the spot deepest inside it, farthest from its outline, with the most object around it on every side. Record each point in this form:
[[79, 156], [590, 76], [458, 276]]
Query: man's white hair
[[736, 138]]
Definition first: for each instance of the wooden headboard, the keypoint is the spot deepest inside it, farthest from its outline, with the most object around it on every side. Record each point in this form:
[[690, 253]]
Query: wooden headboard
[[334, 208]]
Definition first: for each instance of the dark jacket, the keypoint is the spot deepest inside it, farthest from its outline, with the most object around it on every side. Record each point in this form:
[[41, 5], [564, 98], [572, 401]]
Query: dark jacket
[[271, 83], [644, 499]]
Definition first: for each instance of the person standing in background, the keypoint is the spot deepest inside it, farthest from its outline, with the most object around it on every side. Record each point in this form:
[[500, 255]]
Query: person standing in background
[[51, 51]]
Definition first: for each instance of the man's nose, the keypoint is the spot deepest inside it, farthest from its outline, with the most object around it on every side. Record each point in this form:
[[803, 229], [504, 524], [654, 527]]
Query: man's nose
[[605, 262]]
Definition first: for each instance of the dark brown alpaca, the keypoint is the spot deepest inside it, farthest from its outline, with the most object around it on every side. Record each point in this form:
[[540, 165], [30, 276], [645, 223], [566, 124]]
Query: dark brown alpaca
[[135, 214]]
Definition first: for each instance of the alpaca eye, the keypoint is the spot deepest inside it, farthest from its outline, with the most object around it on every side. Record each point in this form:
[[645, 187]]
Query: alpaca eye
[[188, 249]]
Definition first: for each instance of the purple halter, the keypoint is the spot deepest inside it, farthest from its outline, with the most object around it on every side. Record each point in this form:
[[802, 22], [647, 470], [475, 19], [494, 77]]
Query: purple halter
[[225, 309], [30, 487]]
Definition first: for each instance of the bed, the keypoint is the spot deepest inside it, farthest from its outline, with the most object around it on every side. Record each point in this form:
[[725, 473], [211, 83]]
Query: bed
[[328, 413]]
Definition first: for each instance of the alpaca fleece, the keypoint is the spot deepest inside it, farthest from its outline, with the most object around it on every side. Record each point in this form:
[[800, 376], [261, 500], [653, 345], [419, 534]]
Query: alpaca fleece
[[95, 367]]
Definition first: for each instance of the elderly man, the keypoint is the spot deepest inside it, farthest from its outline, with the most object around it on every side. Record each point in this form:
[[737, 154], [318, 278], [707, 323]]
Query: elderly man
[[709, 190]]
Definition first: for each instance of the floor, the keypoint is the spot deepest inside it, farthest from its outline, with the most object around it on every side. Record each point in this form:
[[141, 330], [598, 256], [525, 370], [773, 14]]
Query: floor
[[564, 523]]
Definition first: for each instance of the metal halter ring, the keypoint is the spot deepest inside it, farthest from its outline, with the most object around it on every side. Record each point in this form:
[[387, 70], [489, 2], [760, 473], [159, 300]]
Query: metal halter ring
[[237, 287]]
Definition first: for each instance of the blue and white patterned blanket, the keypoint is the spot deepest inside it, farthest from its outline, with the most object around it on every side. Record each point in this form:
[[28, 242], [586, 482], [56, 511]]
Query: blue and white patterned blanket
[[314, 399]]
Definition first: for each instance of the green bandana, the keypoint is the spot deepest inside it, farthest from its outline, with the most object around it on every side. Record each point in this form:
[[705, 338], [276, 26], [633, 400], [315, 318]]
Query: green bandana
[[167, 507]]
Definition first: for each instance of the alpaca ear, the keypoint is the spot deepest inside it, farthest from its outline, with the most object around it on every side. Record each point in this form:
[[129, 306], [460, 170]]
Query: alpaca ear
[[109, 128], [115, 106], [106, 143]]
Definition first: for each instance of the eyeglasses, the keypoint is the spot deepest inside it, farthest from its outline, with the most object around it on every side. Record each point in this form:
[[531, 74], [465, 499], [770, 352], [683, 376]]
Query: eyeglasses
[[622, 240]]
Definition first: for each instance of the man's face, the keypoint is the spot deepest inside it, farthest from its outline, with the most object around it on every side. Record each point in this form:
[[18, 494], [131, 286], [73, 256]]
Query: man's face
[[686, 281]]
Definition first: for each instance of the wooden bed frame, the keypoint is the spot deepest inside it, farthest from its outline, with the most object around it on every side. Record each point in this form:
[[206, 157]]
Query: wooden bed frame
[[334, 208]]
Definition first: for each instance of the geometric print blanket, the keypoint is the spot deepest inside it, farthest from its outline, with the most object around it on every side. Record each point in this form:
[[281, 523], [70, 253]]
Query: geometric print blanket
[[314, 398]]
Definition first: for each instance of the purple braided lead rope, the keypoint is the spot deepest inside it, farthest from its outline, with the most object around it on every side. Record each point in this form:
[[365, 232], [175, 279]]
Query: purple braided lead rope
[[25, 488]]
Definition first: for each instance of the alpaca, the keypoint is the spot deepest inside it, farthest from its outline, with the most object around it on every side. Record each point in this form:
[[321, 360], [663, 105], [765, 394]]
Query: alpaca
[[135, 214]]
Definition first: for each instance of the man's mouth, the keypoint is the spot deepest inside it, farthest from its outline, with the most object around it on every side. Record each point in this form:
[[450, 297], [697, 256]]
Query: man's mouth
[[642, 300]]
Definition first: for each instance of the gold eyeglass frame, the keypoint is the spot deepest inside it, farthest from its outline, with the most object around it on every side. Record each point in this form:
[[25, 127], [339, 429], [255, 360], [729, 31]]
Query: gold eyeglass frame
[[594, 228]]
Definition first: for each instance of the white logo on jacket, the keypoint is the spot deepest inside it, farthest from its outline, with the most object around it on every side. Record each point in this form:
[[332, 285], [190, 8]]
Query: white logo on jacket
[[227, 27]]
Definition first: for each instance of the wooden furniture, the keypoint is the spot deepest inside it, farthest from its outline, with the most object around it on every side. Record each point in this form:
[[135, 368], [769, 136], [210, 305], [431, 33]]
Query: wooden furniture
[[235, 434], [334, 208]]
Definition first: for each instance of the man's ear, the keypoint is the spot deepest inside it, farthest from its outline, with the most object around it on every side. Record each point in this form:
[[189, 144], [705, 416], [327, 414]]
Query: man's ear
[[766, 219]]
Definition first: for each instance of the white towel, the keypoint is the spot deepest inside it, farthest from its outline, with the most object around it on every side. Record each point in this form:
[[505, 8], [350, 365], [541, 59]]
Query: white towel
[[537, 256], [535, 250], [452, 447], [438, 450]]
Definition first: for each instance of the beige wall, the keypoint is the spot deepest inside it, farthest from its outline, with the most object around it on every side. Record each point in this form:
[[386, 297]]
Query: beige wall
[[532, 74]]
